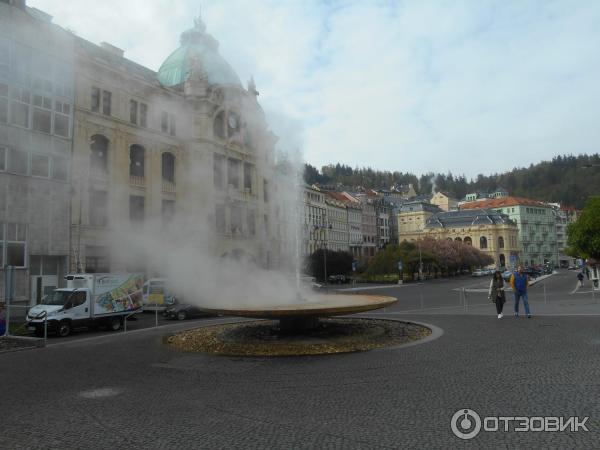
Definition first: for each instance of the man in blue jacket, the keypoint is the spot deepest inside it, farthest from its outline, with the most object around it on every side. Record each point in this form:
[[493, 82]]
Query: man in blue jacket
[[519, 282]]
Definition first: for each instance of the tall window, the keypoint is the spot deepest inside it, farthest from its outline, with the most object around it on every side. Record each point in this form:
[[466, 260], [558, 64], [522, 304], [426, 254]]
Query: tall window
[[138, 113], [99, 155], [133, 111], [251, 221], [219, 125], [62, 116], [40, 165], [3, 102], [136, 208], [18, 161], [248, 169], [143, 115], [95, 100], [13, 244], [136, 160], [97, 259], [106, 102], [220, 218], [218, 171], [42, 113], [19, 107], [266, 190], [168, 167], [60, 170], [98, 208], [236, 219], [467, 240], [482, 242], [233, 173], [101, 101], [4, 57], [167, 123], [500, 242]]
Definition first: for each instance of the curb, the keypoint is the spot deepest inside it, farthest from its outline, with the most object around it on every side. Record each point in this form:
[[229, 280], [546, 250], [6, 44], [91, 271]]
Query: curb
[[33, 343]]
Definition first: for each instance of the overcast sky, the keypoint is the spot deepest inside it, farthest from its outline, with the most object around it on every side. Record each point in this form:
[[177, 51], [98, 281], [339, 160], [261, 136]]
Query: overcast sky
[[471, 87]]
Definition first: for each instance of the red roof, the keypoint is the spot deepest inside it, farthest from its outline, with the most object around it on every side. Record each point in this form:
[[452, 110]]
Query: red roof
[[501, 202]]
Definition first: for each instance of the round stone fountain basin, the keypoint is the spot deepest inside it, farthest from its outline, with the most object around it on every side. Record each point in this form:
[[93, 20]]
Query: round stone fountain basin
[[319, 305]]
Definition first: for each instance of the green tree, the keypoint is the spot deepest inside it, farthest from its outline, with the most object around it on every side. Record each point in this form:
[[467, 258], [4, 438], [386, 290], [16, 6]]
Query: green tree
[[338, 263], [584, 234]]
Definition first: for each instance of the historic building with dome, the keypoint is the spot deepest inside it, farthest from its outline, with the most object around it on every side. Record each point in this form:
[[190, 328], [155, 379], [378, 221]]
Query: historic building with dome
[[186, 148]]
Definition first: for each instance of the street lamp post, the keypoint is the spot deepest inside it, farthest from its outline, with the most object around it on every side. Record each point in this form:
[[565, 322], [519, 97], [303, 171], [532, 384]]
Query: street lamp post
[[420, 261], [325, 262], [322, 230]]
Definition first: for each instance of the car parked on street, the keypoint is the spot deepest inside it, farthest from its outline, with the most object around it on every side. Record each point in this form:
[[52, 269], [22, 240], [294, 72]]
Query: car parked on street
[[479, 273], [339, 279], [183, 311]]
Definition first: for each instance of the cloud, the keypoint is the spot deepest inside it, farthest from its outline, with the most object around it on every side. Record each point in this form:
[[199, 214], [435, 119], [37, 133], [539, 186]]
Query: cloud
[[414, 86]]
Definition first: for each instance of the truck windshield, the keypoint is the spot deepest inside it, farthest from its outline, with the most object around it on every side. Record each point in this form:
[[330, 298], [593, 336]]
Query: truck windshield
[[57, 298]]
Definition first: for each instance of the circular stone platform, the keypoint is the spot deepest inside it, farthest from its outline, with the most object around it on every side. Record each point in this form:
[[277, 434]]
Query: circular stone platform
[[265, 338]]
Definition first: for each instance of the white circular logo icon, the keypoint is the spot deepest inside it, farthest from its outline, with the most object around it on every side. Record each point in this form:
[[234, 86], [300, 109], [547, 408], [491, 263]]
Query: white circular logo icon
[[465, 423]]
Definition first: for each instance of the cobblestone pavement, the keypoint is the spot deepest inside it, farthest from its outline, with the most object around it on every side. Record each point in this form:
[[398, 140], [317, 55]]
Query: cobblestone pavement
[[131, 391]]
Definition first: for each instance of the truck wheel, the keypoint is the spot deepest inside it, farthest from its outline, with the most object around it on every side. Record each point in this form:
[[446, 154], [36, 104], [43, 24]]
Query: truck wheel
[[64, 328], [181, 315], [114, 324]]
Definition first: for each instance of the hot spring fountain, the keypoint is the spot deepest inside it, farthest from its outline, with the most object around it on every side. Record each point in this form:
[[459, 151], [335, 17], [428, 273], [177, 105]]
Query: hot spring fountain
[[303, 315]]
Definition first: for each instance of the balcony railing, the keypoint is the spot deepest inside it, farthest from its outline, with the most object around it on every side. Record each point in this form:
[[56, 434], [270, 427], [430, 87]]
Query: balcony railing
[[136, 180], [168, 186]]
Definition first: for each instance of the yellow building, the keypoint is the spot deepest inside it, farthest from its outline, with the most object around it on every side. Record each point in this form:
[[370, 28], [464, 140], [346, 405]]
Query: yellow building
[[491, 232], [188, 142], [444, 201], [413, 217]]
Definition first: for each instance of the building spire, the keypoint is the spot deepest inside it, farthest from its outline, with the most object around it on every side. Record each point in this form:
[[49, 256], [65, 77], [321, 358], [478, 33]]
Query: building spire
[[198, 22]]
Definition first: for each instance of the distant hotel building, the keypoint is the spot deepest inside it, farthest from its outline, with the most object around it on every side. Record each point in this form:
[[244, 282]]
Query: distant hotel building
[[536, 224]]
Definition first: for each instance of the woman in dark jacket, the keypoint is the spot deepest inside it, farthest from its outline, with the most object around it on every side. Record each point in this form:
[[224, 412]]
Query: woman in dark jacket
[[496, 293]]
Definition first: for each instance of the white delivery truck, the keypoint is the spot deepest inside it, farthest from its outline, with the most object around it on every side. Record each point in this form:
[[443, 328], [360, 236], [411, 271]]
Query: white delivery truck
[[103, 299]]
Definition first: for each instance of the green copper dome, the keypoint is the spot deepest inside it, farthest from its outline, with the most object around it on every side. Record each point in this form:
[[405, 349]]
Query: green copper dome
[[198, 49]]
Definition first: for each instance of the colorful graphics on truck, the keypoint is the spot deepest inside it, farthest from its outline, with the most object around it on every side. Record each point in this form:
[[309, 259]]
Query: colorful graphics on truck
[[118, 294]]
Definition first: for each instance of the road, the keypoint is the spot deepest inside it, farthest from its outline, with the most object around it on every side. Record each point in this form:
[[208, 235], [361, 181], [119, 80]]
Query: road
[[128, 390], [556, 294]]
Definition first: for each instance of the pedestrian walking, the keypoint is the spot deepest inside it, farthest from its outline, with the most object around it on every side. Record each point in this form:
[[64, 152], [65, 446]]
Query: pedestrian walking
[[580, 278], [496, 292], [520, 282]]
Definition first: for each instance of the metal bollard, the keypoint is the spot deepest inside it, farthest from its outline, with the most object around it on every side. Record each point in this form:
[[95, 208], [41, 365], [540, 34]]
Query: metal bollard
[[45, 328]]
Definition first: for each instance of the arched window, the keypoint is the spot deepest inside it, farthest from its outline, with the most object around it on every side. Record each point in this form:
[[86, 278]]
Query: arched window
[[136, 160], [458, 239], [168, 167], [482, 242], [468, 241], [219, 125], [502, 260], [500, 242], [99, 153]]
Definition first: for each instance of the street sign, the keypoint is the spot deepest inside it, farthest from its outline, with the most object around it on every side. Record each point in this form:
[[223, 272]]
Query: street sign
[[399, 266], [513, 259]]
